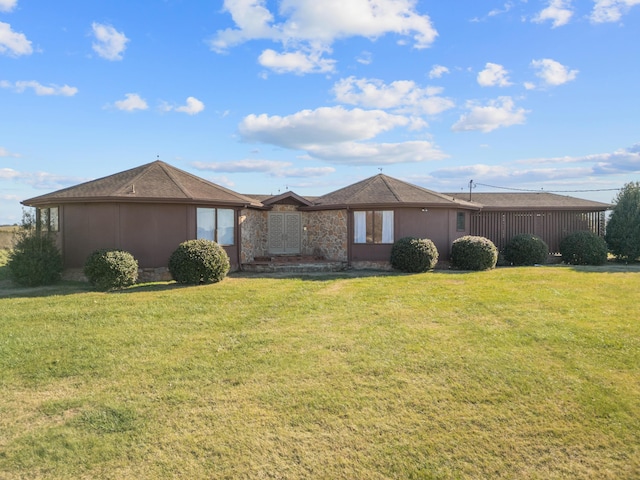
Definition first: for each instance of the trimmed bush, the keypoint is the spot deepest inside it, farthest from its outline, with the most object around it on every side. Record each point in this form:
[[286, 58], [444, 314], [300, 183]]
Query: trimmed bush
[[414, 255], [108, 269], [35, 259], [199, 261], [584, 248], [526, 249], [473, 253]]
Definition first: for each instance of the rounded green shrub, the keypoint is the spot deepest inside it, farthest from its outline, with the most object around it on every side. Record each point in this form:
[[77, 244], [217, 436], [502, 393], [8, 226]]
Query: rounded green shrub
[[199, 261], [473, 253], [526, 249], [35, 260], [110, 269], [583, 248], [414, 255]]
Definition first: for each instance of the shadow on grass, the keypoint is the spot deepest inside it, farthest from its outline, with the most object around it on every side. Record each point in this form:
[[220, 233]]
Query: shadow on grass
[[609, 267]]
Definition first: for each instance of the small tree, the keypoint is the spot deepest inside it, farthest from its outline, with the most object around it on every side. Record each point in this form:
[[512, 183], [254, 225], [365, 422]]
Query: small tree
[[623, 228], [583, 248], [35, 259]]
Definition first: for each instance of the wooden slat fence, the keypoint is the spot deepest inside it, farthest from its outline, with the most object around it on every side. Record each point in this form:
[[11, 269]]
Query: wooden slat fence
[[551, 226]]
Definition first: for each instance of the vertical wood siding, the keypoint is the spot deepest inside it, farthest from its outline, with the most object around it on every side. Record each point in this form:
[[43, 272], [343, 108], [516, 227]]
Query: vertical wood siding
[[551, 226]]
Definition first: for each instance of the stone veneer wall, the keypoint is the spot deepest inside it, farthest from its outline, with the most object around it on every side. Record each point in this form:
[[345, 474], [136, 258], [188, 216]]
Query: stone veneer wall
[[253, 234], [323, 233]]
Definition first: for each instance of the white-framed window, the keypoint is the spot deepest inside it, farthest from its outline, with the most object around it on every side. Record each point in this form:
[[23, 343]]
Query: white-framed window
[[373, 226], [216, 224]]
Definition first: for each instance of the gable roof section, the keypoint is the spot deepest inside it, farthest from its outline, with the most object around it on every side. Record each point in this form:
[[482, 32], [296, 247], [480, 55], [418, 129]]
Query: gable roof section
[[531, 201], [287, 197], [153, 182], [383, 191]]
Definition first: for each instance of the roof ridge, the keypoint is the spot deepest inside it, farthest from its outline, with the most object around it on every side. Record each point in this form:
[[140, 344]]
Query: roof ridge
[[385, 179], [168, 169]]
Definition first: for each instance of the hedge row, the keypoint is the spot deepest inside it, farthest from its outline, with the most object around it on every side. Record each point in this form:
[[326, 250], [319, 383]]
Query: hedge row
[[411, 254]]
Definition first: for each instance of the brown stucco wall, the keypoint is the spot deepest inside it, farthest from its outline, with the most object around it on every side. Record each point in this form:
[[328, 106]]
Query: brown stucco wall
[[150, 232], [436, 224]]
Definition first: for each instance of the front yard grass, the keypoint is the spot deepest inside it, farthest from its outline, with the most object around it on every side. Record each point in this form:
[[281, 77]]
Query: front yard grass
[[524, 373]]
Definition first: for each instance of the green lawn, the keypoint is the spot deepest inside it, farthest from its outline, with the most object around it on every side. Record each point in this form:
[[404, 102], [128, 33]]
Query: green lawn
[[522, 373]]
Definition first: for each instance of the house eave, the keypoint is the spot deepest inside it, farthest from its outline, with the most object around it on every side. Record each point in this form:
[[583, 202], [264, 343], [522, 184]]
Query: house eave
[[40, 202]]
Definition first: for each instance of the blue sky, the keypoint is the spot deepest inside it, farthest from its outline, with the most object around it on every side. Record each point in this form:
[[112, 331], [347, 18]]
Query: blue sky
[[266, 96]]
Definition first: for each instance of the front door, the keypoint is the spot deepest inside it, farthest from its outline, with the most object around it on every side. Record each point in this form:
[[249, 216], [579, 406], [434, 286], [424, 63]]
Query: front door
[[284, 232]]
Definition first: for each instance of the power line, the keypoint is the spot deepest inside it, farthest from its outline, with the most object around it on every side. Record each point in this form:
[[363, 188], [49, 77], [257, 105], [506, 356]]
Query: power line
[[548, 191]]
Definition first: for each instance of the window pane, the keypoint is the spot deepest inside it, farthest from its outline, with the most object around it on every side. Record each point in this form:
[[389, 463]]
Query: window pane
[[359, 227], [460, 222], [226, 226], [206, 221], [387, 226], [54, 224]]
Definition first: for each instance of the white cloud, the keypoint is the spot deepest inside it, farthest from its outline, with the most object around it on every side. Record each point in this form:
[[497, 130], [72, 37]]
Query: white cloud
[[493, 75], [401, 95], [558, 12], [110, 44], [358, 153], [7, 5], [365, 58], [338, 135], [40, 180], [243, 166], [322, 126], [624, 160], [6, 153], [309, 28], [192, 107], [587, 170], [553, 73], [132, 102], [9, 174], [12, 43], [296, 62], [498, 113], [39, 89], [611, 10], [437, 71], [270, 167]]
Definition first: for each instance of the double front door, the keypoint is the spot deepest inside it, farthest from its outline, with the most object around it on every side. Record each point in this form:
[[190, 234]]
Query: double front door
[[284, 232]]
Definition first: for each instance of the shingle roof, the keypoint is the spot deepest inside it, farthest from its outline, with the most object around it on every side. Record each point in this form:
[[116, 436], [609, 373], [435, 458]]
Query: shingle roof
[[387, 191], [156, 181], [531, 201]]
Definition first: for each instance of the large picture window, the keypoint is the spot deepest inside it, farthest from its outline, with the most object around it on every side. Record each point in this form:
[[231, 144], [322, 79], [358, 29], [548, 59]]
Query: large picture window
[[216, 224], [373, 226]]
